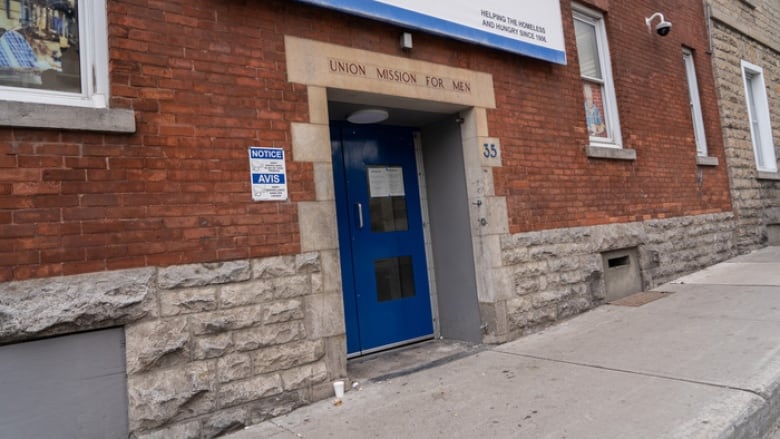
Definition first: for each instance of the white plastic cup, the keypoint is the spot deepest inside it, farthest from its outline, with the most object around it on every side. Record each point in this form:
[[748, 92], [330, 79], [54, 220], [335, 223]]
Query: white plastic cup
[[338, 388]]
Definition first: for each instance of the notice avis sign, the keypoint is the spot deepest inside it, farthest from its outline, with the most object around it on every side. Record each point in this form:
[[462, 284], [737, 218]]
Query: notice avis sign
[[269, 174]]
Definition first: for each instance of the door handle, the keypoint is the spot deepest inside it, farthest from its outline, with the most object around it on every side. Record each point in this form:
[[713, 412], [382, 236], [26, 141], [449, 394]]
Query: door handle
[[359, 207]]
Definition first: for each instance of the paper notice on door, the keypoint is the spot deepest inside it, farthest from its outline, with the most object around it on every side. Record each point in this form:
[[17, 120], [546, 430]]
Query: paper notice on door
[[378, 182], [396, 179], [386, 182]]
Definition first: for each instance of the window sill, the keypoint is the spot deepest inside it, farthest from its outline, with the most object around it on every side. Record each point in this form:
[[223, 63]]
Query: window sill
[[706, 161], [22, 114], [768, 176], [603, 152]]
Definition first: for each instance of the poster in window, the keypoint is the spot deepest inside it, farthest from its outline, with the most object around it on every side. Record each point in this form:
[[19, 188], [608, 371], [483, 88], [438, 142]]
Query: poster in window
[[386, 181], [39, 45], [378, 182], [594, 110], [396, 177]]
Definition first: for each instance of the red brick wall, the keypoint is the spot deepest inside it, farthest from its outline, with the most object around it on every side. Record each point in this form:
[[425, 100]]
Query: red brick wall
[[548, 180], [207, 80]]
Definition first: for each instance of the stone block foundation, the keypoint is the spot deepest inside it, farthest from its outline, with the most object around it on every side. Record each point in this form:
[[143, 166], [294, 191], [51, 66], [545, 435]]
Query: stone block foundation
[[554, 274], [210, 348]]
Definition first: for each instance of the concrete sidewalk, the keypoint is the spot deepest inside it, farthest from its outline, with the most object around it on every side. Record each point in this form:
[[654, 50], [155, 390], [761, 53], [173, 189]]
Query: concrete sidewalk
[[702, 362]]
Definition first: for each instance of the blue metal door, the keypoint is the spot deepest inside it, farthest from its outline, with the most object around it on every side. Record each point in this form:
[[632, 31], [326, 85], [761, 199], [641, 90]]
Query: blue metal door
[[384, 271]]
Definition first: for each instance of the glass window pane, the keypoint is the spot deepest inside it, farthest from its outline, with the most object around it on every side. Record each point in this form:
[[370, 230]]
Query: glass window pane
[[696, 115], [388, 214], [394, 278], [594, 109], [753, 114], [39, 45], [587, 49]]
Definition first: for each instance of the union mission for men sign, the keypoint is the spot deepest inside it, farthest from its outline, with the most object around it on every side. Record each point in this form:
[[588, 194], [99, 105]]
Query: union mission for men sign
[[528, 27]]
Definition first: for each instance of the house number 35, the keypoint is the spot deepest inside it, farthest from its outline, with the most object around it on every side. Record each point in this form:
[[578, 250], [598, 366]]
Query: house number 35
[[490, 150]]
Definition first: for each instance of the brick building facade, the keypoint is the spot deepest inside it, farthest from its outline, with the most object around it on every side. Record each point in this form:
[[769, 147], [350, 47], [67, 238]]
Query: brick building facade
[[744, 42], [140, 215]]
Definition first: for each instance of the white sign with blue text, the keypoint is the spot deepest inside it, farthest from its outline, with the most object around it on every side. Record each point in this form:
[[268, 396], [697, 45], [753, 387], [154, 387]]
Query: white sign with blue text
[[528, 27], [269, 174]]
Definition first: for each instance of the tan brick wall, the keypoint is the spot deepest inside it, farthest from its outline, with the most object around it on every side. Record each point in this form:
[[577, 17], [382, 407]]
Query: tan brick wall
[[757, 19], [741, 32]]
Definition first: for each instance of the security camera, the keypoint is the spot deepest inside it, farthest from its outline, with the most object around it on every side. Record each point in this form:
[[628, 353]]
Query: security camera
[[662, 28]]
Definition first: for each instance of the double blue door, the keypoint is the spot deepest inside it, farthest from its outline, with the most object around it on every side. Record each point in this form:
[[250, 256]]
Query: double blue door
[[384, 271]]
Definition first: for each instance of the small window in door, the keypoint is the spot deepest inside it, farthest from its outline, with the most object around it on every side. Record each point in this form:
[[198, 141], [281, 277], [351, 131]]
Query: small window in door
[[387, 202], [394, 278]]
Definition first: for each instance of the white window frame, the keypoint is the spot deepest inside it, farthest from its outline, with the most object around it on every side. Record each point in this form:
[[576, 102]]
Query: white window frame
[[93, 38], [614, 136], [695, 102], [758, 117]]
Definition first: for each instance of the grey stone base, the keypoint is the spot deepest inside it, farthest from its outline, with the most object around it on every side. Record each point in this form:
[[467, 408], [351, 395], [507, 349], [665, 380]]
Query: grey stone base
[[554, 274], [210, 348]]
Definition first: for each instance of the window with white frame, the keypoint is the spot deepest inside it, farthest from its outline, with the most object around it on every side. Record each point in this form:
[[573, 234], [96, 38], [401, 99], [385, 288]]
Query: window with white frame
[[601, 113], [54, 52], [695, 102], [758, 114]]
